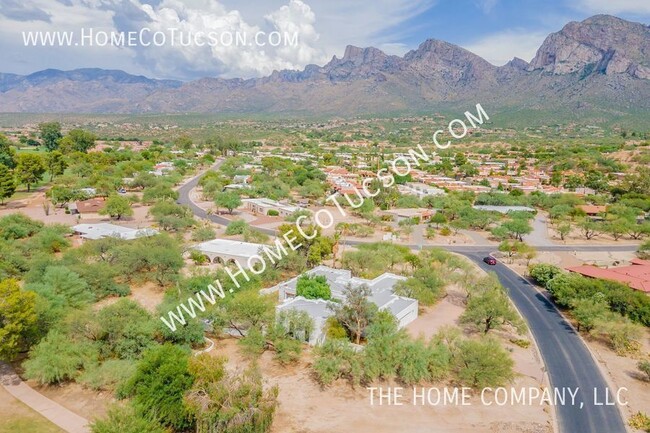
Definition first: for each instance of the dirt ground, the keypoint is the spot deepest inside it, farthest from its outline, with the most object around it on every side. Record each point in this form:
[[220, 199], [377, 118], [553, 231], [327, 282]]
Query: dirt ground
[[305, 407], [621, 372], [82, 401]]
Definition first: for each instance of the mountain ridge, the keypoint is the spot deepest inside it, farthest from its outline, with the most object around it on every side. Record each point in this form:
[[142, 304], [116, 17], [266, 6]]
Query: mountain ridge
[[601, 64]]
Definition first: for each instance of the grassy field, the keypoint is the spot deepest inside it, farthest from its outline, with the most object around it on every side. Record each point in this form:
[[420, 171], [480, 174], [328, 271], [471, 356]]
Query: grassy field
[[15, 417]]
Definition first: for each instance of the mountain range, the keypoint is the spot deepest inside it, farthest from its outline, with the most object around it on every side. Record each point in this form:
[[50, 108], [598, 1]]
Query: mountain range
[[599, 66]]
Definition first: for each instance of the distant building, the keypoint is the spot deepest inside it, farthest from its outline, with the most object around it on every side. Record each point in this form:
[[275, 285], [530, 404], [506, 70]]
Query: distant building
[[504, 209], [105, 230], [593, 211], [420, 189], [636, 276], [262, 206], [408, 213], [404, 309], [84, 207]]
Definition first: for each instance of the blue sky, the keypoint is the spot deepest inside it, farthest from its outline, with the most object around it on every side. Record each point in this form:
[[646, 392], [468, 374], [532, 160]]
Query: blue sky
[[494, 29]]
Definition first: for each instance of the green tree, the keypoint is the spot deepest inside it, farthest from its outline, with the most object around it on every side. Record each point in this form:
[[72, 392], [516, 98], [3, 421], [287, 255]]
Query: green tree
[[7, 152], [125, 330], [77, 140], [617, 228], [588, 312], [7, 183], [589, 228], [483, 363], [227, 199], [159, 385], [58, 358], [17, 318], [543, 273], [229, 403], [171, 216], [491, 309], [50, 134], [517, 228], [61, 195], [55, 163], [563, 229], [438, 218], [116, 206], [313, 287], [30, 169], [356, 311], [639, 230]]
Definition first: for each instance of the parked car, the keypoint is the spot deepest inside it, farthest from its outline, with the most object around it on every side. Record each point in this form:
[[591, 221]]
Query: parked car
[[490, 260]]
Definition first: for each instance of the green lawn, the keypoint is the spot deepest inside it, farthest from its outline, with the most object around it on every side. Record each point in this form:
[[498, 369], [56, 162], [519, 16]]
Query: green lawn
[[15, 417]]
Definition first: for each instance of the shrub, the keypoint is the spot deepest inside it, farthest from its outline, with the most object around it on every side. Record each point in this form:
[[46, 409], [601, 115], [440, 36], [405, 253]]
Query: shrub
[[159, 385], [483, 363], [337, 359], [644, 367], [203, 233], [124, 419], [198, 257], [57, 358], [640, 421], [523, 343], [287, 350], [621, 334], [445, 231], [273, 212], [334, 330], [108, 376], [542, 273], [236, 227]]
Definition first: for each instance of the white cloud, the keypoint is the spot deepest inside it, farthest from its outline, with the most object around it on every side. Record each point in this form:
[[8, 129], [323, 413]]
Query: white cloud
[[325, 27], [615, 6], [499, 48], [487, 5]]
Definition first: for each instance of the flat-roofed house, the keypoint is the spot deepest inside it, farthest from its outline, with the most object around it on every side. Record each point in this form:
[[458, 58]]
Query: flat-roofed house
[[262, 206], [382, 294], [104, 230], [226, 251]]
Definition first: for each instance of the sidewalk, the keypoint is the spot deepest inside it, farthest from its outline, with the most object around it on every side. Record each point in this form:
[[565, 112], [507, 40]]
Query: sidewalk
[[57, 414]]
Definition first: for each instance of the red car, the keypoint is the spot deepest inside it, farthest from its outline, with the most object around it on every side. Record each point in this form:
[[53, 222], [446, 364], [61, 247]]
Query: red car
[[490, 260]]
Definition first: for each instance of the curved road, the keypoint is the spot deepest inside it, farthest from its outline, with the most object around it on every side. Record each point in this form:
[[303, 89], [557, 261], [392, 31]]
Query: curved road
[[568, 361]]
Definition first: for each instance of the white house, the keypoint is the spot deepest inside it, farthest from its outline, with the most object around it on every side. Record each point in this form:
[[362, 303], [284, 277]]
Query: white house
[[404, 309], [103, 230], [227, 251], [264, 205]]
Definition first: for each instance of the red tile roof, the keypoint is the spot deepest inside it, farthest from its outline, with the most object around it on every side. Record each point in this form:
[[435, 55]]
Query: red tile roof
[[637, 275], [593, 210], [90, 206]]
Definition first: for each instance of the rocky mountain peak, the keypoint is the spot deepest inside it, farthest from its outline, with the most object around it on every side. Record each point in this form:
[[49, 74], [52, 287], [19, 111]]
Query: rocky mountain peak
[[601, 44]]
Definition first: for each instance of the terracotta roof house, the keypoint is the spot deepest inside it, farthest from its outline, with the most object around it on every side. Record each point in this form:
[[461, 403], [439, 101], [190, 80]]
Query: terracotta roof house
[[592, 210], [92, 205], [636, 275]]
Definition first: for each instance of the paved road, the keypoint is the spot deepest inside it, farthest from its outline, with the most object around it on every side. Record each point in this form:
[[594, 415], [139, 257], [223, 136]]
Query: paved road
[[567, 359]]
